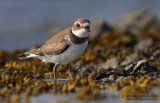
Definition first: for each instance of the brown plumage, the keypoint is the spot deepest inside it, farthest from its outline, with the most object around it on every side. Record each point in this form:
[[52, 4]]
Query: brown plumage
[[57, 44]]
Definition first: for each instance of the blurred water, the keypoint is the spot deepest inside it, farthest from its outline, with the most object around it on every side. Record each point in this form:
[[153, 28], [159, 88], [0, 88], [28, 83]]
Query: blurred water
[[110, 97], [25, 22]]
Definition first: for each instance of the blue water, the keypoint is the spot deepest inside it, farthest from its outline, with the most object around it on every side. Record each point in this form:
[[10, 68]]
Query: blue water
[[26, 22]]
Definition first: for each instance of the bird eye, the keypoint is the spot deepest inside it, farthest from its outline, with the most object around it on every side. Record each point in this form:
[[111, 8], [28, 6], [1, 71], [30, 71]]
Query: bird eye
[[78, 25]]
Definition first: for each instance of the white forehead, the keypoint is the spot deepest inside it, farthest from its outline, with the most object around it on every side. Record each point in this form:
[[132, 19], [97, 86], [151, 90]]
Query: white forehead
[[83, 24]]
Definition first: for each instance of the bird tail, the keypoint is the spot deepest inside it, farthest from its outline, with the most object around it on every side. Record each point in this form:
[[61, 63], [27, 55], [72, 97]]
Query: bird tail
[[26, 55], [23, 56]]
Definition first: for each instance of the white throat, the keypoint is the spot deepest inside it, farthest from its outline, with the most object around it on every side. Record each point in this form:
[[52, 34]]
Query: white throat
[[80, 33]]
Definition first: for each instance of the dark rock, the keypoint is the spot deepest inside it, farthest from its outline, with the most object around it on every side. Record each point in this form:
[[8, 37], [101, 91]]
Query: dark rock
[[97, 28], [101, 75]]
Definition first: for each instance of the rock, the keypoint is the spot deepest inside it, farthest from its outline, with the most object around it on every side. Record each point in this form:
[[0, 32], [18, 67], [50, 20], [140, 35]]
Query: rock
[[101, 75], [145, 64], [129, 59], [112, 77], [129, 68], [142, 65], [97, 28], [137, 21], [112, 63], [143, 44], [155, 55], [119, 78]]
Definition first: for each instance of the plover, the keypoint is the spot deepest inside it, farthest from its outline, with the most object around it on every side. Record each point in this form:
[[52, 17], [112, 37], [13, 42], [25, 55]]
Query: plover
[[65, 47]]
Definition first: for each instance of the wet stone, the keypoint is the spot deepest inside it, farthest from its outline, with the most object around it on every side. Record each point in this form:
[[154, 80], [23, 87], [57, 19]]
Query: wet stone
[[111, 63], [129, 68], [129, 59], [145, 64], [142, 65], [155, 55]]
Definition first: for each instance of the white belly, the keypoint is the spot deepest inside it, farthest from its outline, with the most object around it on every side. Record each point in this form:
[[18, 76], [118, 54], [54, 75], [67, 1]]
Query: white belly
[[71, 54]]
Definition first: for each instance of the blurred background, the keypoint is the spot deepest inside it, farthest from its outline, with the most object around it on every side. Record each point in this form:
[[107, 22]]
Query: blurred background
[[24, 23]]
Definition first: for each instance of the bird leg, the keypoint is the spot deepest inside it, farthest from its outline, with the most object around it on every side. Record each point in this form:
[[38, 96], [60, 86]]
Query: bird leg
[[70, 67], [54, 73]]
